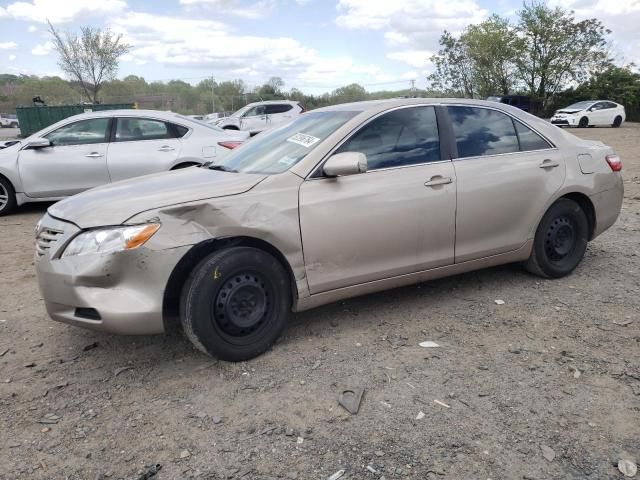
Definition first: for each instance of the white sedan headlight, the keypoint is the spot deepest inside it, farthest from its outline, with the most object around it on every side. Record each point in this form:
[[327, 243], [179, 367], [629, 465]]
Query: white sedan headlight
[[109, 240]]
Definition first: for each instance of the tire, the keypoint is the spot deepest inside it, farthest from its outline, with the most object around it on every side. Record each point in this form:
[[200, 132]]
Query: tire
[[7, 197], [583, 123], [230, 127], [236, 303], [560, 242], [617, 122], [14, 125]]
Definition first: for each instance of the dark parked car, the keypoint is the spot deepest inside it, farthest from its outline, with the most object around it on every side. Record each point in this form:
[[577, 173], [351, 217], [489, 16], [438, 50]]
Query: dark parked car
[[519, 101]]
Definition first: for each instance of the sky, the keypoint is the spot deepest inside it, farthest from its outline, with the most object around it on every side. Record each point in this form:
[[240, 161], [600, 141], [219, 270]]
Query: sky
[[313, 45]]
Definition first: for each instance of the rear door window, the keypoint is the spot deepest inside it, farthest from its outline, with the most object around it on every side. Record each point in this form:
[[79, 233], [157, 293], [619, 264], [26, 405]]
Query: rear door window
[[530, 140], [403, 137], [482, 131], [136, 129], [278, 108]]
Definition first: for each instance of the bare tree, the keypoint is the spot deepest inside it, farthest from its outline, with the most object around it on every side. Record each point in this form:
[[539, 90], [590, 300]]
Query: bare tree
[[90, 58]]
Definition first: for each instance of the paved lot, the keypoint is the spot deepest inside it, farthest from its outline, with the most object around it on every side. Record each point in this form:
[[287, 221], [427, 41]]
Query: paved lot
[[9, 133], [545, 386]]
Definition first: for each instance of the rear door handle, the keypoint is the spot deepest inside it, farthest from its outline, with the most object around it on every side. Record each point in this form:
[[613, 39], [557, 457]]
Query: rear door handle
[[438, 180], [166, 148], [547, 163], [94, 155]]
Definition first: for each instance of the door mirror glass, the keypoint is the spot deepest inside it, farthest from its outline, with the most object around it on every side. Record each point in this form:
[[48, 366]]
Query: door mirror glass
[[347, 163], [36, 143]]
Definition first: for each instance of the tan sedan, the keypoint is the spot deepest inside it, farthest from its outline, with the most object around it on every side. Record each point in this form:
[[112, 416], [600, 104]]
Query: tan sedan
[[343, 201]]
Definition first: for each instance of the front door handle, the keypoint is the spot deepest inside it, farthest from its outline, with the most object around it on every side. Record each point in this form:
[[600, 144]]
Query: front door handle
[[166, 148], [548, 163], [438, 180], [94, 155]]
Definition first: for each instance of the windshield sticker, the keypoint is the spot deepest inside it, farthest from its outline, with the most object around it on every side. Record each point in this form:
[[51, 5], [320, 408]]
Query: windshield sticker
[[303, 139]]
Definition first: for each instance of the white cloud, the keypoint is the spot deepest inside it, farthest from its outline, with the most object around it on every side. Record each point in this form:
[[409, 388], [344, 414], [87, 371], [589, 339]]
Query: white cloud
[[3, 12], [12, 58], [32, 28], [58, 12], [411, 27], [415, 58], [42, 49], [621, 17], [258, 9], [8, 45]]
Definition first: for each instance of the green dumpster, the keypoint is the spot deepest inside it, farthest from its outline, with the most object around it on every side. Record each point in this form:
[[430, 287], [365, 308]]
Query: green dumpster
[[36, 118]]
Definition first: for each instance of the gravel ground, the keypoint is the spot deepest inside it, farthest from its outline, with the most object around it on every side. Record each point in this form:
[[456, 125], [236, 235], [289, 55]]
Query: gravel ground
[[546, 385]]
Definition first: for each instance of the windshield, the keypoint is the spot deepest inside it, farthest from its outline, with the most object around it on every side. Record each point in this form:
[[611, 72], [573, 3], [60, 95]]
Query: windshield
[[199, 122], [579, 106], [239, 113], [276, 151]]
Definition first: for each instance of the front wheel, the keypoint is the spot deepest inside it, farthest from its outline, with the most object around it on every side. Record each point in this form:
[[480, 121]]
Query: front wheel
[[561, 240], [236, 303], [583, 123]]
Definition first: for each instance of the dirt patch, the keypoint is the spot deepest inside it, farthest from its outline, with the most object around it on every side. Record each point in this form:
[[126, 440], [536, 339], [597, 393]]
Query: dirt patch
[[546, 385]]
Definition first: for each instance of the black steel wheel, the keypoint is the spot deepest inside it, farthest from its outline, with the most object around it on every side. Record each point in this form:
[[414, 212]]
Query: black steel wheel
[[617, 122], [560, 241], [236, 303]]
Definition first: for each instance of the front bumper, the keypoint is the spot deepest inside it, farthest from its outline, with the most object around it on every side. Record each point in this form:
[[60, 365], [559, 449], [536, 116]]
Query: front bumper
[[118, 293], [566, 121]]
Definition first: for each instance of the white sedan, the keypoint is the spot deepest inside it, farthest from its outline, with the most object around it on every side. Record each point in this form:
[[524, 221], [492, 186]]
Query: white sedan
[[590, 113], [92, 149]]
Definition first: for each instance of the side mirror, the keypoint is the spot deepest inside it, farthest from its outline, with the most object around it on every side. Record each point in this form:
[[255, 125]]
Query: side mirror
[[347, 163], [36, 143]]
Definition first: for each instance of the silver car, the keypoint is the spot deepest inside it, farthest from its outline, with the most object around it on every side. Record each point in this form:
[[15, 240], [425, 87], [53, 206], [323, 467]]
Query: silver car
[[259, 116], [343, 201], [92, 149]]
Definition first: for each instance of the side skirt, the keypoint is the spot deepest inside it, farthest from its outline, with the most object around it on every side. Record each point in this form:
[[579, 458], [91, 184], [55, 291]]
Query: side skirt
[[402, 280]]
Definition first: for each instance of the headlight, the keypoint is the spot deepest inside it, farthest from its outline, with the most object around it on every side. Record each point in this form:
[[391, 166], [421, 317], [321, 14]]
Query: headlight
[[109, 240]]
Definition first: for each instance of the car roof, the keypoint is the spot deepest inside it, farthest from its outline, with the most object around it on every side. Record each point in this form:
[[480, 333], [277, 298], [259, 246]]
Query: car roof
[[267, 102], [374, 105]]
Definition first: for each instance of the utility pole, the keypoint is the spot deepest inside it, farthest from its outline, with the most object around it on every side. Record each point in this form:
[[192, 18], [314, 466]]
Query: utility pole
[[213, 97], [413, 88]]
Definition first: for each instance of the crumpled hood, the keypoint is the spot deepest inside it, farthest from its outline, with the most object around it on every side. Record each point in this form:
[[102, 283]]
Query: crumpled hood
[[114, 203]]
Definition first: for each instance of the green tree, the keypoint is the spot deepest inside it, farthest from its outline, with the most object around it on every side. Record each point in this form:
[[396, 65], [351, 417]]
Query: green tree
[[89, 59], [553, 49], [348, 93], [491, 47], [454, 67]]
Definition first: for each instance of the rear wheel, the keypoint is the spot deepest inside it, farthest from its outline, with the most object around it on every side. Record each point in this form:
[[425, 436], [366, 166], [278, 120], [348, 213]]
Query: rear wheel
[[560, 241], [7, 197], [617, 122], [583, 123], [236, 303]]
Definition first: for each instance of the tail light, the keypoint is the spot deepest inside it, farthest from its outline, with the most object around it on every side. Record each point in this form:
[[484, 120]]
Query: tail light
[[230, 145], [614, 162]]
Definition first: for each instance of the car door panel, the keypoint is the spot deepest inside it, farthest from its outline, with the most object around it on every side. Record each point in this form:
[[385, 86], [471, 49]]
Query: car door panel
[[505, 178], [397, 218], [66, 168], [366, 227], [135, 151], [489, 224]]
